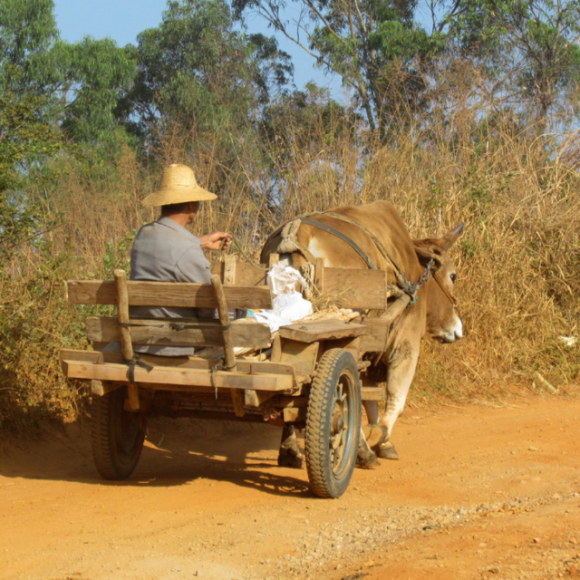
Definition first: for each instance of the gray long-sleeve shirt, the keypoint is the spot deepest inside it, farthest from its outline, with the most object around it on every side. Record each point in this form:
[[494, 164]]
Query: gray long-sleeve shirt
[[164, 251]]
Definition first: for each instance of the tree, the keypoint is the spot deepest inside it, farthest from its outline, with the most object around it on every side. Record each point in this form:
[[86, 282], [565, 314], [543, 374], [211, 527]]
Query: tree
[[81, 83], [531, 46], [89, 78], [196, 69], [24, 142], [359, 40], [27, 31]]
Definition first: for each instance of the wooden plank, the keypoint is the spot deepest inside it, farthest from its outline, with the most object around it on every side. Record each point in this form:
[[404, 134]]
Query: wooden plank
[[352, 344], [319, 275], [126, 345], [178, 376], [170, 294], [273, 259], [235, 273], [321, 330], [276, 355], [355, 288], [302, 356], [229, 358], [396, 308], [375, 339], [251, 367], [224, 322], [373, 394], [245, 333], [229, 271], [123, 313], [249, 275]]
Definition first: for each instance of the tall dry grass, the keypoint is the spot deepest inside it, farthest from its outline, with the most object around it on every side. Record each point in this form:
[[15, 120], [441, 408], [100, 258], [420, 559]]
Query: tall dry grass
[[464, 160]]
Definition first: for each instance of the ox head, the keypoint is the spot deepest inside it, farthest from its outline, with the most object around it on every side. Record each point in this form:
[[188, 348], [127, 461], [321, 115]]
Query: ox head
[[443, 318]]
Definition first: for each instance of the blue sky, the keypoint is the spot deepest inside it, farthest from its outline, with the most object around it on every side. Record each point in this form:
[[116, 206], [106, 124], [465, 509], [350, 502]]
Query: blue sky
[[123, 20]]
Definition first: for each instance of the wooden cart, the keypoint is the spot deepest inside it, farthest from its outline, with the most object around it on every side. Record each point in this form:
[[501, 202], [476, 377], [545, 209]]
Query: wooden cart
[[311, 378]]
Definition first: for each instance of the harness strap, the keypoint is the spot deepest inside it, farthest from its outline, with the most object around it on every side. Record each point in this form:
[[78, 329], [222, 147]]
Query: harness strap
[[377, 242], [404, 286], [335, 232], [407, 287], [452, 298]]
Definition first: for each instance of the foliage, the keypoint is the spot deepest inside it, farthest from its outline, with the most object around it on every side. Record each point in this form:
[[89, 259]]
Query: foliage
[[359, 41], [196, 70], [81, 83], [27, 31], [530, 45], [25, 141]]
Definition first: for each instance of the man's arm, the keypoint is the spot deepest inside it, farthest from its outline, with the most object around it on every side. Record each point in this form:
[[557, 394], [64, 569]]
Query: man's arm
[[215, 240]]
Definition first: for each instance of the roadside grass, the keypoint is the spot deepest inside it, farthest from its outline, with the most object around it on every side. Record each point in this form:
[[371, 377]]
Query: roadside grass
[[518, 260]]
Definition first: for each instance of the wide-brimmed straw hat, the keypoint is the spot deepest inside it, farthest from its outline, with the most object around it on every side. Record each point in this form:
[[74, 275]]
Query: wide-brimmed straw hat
[[178, 186]]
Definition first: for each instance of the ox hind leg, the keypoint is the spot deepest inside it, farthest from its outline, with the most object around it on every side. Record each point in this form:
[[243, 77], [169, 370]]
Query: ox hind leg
[[400, 372], [372, 435], [290, 454]]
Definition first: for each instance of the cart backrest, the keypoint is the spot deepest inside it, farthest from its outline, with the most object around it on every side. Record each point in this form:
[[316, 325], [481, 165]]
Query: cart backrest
[[172, 331]]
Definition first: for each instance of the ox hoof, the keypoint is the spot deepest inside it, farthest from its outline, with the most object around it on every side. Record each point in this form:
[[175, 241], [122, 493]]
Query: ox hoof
[[367, 460], [375, 435], [387, 451], [290, 458]]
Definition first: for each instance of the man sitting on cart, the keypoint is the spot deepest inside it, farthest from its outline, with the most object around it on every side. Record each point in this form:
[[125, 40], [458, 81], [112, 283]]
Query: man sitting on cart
[[165, 251]]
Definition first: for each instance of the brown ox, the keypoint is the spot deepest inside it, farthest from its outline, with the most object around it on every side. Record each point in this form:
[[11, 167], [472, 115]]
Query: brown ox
[[434, 312]]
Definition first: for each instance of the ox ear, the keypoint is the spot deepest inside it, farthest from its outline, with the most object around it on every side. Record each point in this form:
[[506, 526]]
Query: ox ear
[[428, 250], [448, 239]]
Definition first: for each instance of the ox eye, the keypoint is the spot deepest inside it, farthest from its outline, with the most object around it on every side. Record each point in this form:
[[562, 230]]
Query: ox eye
[[453, 277]]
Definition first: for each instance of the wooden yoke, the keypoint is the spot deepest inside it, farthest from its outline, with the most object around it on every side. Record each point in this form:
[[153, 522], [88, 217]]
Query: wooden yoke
[[230, 361], [126, 344]]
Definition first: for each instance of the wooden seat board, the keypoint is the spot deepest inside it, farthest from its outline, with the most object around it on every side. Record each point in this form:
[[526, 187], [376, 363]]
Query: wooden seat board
[[169, 294], [321, 330], [245, 333]]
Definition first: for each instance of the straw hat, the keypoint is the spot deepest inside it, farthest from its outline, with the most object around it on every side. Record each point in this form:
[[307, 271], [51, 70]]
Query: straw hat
[[178, 186]]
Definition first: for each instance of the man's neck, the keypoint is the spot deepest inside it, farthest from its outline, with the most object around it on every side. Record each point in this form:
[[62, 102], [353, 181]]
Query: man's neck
[[179, 218]]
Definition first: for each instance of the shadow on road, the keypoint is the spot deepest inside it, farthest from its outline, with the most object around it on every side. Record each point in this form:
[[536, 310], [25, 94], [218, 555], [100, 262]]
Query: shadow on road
[[176, 452]]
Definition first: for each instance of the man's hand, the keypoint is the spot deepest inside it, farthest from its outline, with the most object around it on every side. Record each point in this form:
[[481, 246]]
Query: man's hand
[[215, 240]]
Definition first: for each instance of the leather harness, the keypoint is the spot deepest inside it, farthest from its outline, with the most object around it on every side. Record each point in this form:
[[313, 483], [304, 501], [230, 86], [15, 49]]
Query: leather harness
[[404, 286]]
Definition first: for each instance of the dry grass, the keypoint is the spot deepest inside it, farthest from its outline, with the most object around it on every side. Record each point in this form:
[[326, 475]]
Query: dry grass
[[518, 261]]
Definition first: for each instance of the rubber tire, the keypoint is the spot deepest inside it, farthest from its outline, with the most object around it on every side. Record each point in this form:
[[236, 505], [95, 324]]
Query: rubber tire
[[117, 435], [335, 365]]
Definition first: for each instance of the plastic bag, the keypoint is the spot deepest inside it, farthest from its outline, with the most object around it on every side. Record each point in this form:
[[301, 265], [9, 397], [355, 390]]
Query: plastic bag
[[283, 279], [292, 306], [289, 305]]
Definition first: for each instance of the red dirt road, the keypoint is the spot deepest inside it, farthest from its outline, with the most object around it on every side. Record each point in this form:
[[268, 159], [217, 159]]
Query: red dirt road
[[479, 492]]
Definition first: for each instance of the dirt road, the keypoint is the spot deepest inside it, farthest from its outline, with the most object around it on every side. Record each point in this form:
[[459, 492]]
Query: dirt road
[[479, 492]]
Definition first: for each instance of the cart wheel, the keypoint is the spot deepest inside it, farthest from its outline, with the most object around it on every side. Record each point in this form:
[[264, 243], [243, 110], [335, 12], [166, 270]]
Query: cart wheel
[[117, 435], [333, 423]]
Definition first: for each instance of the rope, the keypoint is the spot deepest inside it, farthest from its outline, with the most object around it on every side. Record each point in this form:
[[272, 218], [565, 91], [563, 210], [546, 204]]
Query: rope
[[220, 366], [135, 361], [241, 251]]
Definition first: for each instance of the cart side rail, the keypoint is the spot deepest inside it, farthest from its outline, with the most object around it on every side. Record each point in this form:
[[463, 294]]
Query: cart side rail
[[168, 294], [170, 332]]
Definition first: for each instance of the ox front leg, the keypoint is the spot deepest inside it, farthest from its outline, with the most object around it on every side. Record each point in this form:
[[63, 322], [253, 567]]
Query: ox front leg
[[290, 454], [400, 373]]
